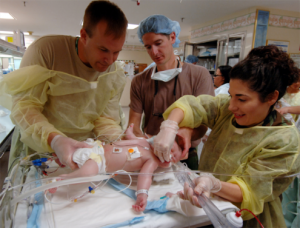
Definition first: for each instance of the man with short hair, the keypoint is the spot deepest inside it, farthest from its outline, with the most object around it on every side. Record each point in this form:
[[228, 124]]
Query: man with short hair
[[155, 89], [74, 91], [191, 59]]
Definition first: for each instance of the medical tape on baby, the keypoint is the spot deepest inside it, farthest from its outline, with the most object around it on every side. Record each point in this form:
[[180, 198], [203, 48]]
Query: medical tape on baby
[[117, 150], [133, 153], [151, 140]]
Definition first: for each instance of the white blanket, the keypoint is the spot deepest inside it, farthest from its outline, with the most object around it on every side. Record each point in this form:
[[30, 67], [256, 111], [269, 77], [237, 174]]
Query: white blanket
[[107, 206]]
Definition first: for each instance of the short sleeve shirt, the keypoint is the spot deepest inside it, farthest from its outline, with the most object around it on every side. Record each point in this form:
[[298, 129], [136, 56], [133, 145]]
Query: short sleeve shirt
[[58, 53], [193, 80]]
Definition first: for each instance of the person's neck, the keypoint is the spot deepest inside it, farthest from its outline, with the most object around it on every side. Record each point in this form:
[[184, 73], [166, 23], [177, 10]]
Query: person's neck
[[171, 64], [292, 90], [81, 54]]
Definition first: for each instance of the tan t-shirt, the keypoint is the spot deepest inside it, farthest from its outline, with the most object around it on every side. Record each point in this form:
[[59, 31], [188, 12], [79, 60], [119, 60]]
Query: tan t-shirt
[[193, 80], [58, 53]]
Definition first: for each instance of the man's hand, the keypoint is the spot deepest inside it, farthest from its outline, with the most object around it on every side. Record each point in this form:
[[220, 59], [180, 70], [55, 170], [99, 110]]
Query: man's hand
[[184, 137], [65, 147]]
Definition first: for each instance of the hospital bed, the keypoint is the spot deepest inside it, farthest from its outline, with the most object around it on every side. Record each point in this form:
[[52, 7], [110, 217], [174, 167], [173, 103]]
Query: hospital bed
[[108, 206]]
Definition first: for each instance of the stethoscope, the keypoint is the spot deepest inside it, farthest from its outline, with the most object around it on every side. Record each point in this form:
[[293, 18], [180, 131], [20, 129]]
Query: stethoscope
[[76, 44], [156, 90]]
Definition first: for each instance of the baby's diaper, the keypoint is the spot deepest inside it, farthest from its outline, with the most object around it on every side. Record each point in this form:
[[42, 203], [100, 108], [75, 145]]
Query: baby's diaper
[[96, 153]]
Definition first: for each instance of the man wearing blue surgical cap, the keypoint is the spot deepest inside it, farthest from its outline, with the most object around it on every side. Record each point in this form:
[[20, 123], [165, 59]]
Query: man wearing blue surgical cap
[[191, 59], [155, 89]]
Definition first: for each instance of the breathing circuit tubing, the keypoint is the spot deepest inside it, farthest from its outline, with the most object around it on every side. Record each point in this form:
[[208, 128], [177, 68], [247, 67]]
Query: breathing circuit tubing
[[96, 186]]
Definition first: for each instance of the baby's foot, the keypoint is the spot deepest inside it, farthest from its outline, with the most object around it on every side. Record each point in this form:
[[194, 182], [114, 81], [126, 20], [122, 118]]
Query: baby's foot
[[53, 190], [170, 194], [129, 132]]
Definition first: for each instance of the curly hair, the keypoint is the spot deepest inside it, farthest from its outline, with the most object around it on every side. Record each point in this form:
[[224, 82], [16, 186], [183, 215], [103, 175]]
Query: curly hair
[[266, 69]]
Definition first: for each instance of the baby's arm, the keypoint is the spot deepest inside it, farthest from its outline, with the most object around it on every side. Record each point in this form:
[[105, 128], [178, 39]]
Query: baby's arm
[[144, 182], [89, 168], [290, 109]]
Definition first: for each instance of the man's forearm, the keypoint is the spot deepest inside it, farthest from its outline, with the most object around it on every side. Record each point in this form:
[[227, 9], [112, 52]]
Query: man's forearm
[[138, 132]]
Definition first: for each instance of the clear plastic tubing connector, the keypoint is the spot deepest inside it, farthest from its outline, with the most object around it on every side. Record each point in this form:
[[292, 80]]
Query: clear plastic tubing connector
[[214, 214]]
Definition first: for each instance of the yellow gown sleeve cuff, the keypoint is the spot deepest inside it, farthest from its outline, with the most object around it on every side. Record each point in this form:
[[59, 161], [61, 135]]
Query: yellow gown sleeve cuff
[[188, 120], [249, 201]]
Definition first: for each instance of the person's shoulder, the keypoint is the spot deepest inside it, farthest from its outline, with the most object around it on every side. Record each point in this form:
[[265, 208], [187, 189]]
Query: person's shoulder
[[142, 76], [290, 133], [51, 40]]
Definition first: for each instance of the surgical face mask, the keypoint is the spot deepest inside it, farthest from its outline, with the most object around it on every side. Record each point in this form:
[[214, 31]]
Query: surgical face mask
[[165, 75]]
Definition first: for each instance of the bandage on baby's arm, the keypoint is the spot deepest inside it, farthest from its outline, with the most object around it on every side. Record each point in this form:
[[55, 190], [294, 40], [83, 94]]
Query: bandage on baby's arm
[[151, 140]]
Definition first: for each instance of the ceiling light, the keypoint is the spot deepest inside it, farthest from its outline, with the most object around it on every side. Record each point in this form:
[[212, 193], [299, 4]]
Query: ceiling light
[[5, 56], [7, 32], [5, 16], [26, 33], [132, 26]]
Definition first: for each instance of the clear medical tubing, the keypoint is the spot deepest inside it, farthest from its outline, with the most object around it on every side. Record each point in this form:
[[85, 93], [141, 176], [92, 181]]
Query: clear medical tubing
[[57, 184], [214, 214]]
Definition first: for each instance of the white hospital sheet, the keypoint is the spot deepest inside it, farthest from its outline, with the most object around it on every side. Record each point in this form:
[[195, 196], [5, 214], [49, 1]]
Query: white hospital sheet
[[107, 206]]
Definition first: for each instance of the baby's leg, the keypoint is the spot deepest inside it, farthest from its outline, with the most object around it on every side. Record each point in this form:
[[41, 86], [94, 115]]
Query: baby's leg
[[129, 132], [89, 168]]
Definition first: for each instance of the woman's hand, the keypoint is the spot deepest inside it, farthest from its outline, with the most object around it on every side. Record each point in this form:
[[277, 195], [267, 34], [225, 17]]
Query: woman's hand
[[164, 141], [205, 184]]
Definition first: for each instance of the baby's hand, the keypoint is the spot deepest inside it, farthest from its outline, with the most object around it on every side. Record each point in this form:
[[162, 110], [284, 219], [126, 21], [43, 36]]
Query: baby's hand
[[140, 203], [283, 110]]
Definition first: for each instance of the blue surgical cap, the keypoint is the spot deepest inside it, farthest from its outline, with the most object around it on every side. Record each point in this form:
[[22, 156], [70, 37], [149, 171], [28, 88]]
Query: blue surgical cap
[[191, 59], [159, 24]]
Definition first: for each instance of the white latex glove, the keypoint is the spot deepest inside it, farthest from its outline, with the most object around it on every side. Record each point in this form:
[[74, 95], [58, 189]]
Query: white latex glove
[[163, 142], [65, 147], [205, 184]]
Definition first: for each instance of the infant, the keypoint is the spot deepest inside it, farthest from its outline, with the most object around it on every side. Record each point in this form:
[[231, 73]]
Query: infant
[[132, 154]]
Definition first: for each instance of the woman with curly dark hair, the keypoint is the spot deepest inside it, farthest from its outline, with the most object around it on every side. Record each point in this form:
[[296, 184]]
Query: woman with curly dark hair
[[251, 143]]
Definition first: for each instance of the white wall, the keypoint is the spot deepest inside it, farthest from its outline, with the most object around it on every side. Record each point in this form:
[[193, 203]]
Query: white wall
[[285, 34], [137, 56]]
